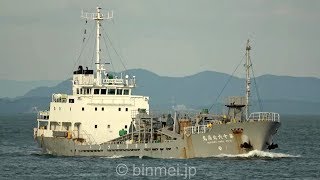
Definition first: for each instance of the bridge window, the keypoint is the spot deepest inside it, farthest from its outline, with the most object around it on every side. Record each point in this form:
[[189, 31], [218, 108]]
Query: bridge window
[[126, 109], [119, 91], [102, 109], [96, 109], [96, 91], [103, 91], [111, 91], [119, 109], [126, 92], [108, 125], [71, 100], [82, 108], [96, 126]]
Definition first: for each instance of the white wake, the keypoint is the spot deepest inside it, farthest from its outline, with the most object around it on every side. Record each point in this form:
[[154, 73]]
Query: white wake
[[257, 153], [113, 157]]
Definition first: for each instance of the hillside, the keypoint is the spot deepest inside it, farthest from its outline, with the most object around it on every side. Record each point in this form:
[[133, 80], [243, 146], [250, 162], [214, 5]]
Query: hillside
[[289, 95]]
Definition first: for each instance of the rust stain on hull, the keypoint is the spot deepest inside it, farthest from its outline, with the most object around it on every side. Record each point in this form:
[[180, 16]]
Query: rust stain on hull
[[237, 133]]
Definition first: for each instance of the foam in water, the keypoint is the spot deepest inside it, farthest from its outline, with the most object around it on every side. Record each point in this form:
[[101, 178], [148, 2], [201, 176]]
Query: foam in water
[[257, 153], [113, 157]]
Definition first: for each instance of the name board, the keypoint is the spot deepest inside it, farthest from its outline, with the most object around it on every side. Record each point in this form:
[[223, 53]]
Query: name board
[[112, 81]]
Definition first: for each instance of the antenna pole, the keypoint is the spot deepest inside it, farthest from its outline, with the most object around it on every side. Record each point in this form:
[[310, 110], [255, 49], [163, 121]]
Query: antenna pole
[[98, 17], [248, 82]]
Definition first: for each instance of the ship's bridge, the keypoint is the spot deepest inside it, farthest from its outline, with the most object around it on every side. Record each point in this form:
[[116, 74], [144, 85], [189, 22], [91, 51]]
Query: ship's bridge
[[84, 83]]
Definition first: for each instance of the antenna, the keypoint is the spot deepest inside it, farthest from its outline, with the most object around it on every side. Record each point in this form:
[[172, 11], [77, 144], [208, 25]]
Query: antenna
[[98, 17]]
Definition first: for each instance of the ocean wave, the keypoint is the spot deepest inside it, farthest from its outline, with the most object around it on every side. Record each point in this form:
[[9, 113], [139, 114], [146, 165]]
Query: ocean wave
[[257, 153]]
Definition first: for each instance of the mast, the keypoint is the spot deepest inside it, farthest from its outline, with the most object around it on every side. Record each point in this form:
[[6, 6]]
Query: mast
[[98, 17], [247, 66]]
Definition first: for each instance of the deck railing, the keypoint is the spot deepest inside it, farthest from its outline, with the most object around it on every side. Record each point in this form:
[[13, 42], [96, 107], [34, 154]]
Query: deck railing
[[196, 129], [90, 139], [264, 116], [43, 115]]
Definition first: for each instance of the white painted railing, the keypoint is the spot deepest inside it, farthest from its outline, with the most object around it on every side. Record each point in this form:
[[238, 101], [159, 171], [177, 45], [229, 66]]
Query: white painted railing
[[44, 132], [264, 116], [196, 129], [90, 139], [43, 115]]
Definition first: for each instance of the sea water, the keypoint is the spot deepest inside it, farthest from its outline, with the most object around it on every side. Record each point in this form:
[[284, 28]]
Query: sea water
[[298, 157]]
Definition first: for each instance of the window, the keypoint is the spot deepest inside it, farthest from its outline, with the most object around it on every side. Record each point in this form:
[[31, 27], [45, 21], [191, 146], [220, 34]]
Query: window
[[59, 108], [81, 91], [102, 109], [96, 126], [108, 125], [70, 109], [119, 109], [54, 108], [103, 91], [82, 108], [119, 91], [126, 109], [88, 91], [71, 100], [96, 91], [125, 126], [78, 91], [111, 91], [96, 109], [126, 92]]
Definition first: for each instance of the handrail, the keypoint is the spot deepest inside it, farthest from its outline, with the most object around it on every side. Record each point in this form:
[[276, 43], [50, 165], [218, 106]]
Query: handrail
[[264, 116], [89, 136], [200, 129], [43, 115]]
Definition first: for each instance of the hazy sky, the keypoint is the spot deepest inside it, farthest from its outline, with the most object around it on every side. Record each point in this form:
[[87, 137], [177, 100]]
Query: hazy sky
[[42, 39]]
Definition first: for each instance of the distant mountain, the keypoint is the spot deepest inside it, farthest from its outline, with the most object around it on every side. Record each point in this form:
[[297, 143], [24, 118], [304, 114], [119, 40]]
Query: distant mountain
[[290, 88], [289, 95], [24, 104], [63, 87], [12, 88]]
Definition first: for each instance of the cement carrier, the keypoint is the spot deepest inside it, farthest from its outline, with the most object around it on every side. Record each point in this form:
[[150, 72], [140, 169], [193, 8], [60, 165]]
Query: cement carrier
[[103, 118]]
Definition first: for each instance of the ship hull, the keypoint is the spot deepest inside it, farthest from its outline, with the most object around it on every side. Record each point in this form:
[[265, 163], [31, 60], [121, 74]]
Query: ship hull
[[233, 138]]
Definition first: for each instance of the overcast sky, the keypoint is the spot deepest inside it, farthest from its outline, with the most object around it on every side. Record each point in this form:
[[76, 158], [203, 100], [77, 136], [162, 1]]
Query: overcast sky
[[42, 39]]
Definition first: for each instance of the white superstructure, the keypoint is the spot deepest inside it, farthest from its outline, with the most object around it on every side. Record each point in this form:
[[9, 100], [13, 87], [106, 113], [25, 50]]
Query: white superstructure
[[100, 106]]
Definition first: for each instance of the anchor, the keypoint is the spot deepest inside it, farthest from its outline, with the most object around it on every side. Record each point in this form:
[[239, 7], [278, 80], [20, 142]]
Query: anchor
[[272, 146]]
